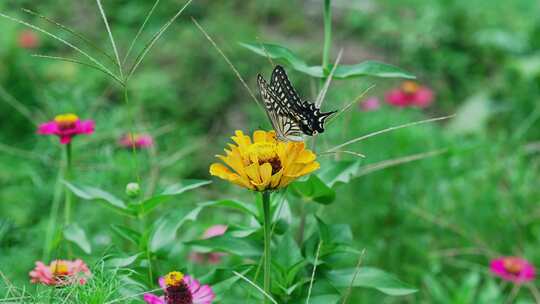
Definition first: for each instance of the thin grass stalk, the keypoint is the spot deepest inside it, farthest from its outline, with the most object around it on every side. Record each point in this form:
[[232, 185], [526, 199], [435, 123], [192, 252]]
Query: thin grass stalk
[[115, 49], [68, 198], [71, 31], [267, 296], [314, 271], [139, 32], [349, 289]]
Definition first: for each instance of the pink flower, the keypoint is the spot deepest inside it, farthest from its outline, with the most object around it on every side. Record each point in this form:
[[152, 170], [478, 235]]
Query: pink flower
[[140, 141], [28, 39], [370, 104], [66, 126], [410, 94], [180, 289], [60, 272], [513, 269], [212, 257]]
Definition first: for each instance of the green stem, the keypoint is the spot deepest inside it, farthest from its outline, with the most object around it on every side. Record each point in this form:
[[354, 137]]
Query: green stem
[[53, 216], [132, 134], [267, 242], [67, 204], [327, 15]]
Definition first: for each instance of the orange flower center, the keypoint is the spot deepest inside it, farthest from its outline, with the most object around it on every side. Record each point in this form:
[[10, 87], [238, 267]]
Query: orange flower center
[[410, 87], [265, 152], [174, 278], [513, 265], [59, 268], [66, 121]]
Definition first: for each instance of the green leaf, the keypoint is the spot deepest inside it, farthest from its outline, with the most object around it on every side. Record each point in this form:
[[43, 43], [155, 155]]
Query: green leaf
[[371, 278], [122, 262], [287, 253], [243, 247], [96, 194], [366, 68], [235, 204], [339, 172], [373, 69], [165, 228], [127, 234], [314, 189], [148, 205], [74, 233]]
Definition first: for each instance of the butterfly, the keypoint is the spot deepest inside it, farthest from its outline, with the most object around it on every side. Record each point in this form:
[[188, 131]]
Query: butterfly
[[291, 117]]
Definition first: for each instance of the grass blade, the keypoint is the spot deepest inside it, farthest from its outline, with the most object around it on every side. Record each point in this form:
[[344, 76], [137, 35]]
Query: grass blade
[[348, 106], [322, 94], [349, 289], [388, 130], [81, 63], [398, 161], [152, 41], [132, 45], [313, 272], [255, 286], [70, 45], [17, 105], [119, 63], [227, 60], [71, 31]]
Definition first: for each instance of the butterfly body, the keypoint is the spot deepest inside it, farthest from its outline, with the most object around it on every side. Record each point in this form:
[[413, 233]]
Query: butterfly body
[[290, 117]]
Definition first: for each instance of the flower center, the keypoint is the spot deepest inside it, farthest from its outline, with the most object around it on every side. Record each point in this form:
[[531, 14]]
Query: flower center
[[66, 121], [513, 266], [174, 278], [266, 153], [59, 268], [410, 87]]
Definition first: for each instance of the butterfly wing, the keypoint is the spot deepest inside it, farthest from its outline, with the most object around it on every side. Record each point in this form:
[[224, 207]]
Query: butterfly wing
[[310, 118], [286, 127]]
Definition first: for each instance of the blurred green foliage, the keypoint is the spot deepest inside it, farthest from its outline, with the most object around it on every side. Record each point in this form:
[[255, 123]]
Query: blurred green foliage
[[419, 220]]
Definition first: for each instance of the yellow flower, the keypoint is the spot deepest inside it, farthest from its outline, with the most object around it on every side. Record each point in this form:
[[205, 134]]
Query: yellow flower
[[264, 163], [174, 278]]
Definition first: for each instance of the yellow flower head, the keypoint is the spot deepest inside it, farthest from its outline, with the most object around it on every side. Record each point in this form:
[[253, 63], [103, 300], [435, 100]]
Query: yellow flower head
[[264, 163], [65, 121], [59, 268], [174, 278], [410, 87]]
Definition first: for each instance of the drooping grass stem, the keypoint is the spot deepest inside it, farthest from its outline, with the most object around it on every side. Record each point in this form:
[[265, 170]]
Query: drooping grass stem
[[267, 242]]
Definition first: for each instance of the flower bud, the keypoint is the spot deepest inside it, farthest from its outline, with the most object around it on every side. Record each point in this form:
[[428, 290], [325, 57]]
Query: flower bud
[[133, 190]]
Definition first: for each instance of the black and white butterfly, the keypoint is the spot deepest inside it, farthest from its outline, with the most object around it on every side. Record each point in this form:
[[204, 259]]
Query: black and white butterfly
[[290, 117]]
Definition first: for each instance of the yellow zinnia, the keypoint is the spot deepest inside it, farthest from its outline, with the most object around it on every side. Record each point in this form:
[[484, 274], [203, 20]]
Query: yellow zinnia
[[264, 163]]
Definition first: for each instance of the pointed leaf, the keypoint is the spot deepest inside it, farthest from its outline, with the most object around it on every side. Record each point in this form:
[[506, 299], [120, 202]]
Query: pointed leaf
[[340, 172], [127, 234], [242, 206], [243, 247], [74, 233], [371, 278], [373, 69], [121, 262], [102, 196], [171, 191], [314, 189], [165, 228]]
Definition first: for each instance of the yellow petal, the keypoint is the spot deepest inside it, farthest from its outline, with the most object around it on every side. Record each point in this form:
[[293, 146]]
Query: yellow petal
[[253, 173], [259, 136], [265, 171], [276, 178], [306, 156], [219, 170]]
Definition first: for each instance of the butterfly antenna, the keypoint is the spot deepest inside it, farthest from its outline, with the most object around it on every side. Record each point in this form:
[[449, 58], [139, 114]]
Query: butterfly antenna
[[266, 52], [214, 44], [322, 94]]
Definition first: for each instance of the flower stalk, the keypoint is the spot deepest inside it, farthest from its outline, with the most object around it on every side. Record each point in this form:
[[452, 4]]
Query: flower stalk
[[67, 203], [267, 242], [327, 16]]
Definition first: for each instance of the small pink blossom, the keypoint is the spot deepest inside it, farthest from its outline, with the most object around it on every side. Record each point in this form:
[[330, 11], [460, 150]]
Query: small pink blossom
[[188, 290], [28, 39], [370, 104], [212, 257], [60, 272], [140, 141], [513, 269], [66, 126], [410, 94]]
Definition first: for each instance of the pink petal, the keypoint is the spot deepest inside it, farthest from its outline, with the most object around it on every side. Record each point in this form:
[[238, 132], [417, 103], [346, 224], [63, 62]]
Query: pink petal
[[423, 97], [398, 98], [204, 295], [215, 230], [153, 299], [370, 104], [47, 128], [65, 139], [161, 282], [85, 127]]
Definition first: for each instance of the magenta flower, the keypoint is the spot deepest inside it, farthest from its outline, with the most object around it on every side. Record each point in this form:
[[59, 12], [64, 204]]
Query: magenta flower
[[180, 289], [410, 94], [370, 104], [212, 257], [66, 126], [60, 272], [28, 39], [513, 269], [140, 141]]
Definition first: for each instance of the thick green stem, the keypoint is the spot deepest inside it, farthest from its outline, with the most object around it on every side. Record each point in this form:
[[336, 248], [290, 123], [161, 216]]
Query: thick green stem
[[67, 204], [267, 243], [53, 216], [327, 15]]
